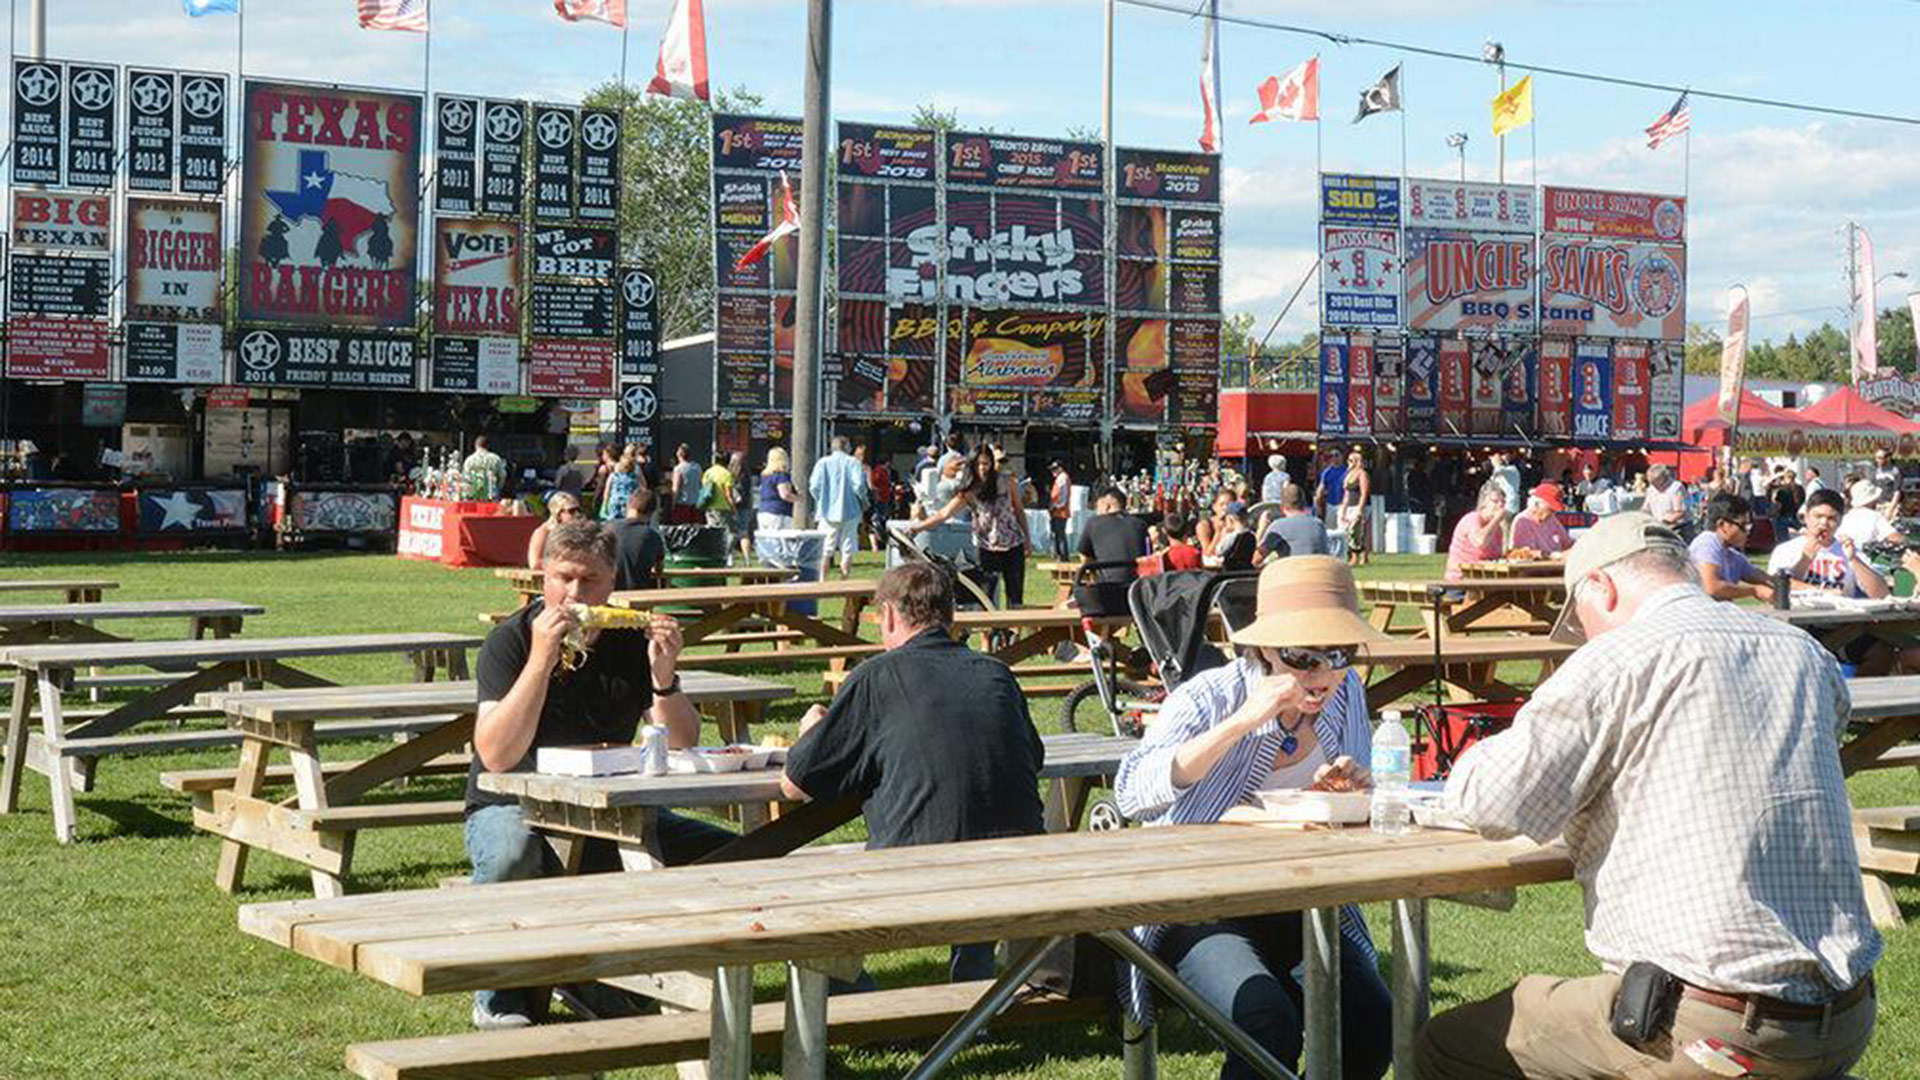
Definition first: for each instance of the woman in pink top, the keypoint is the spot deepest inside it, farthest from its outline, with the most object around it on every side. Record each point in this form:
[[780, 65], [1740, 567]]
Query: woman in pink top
[[1537, 529], [1479, 536]]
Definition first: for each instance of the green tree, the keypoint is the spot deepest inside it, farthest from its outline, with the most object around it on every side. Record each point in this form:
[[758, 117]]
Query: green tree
[[934, 118], [666, 216], [1895, 329], [1236, 334], [1703, 351]]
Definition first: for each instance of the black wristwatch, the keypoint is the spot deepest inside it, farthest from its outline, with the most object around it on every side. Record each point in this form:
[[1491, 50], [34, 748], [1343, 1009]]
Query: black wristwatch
[[670, 689]]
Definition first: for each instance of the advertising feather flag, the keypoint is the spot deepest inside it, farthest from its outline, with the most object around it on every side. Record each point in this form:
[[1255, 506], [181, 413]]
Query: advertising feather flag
[[1513, 108], [1210, 82], [789, 225], [682, 69], [197, 8], [1383, 96], [611, 12], [1293, 96], [1866, 331], [410, 15], [1733, 356], [1674, 121]]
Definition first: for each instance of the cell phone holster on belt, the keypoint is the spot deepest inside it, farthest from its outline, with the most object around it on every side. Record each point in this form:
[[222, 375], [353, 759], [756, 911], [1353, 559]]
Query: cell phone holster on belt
[[1644, 1005]]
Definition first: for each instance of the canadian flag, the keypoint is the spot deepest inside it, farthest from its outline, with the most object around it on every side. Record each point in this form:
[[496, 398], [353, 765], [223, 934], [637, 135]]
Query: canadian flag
[[789, 223], [613, 12], [1210, 83], [682, 70], [1294, 96]]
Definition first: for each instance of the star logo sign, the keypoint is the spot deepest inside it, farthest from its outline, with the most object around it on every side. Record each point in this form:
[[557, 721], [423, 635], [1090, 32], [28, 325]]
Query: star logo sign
[[556, 130], [638, 288], [38, 85], [638, 403], [503, 123], [600, 131], [180, 510], [152, 93], [92, 89], [203, 97], [456, 115], [259, 351]]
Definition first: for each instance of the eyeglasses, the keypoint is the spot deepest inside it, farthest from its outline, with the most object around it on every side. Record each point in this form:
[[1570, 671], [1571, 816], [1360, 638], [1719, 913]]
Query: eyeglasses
[[1314, 659], [568, 511], [1742, 523]]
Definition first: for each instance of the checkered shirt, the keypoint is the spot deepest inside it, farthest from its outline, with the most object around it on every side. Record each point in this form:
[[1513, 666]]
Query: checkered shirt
[[1691, 762]]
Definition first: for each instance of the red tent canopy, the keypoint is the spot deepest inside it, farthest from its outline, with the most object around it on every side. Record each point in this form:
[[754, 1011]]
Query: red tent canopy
[[1702, 426], [1845, 407]]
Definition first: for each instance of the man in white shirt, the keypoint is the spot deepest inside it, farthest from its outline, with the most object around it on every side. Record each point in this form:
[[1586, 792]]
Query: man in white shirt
[[1822, 558], [1869, 522], [1756, 479], [1667, 500], [1507, 475]]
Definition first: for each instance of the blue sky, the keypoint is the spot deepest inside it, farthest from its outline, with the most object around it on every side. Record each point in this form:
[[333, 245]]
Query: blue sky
[[1770, 190]]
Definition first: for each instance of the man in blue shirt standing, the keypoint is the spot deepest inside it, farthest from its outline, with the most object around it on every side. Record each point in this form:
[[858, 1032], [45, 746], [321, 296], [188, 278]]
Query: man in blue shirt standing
[[838, 485]]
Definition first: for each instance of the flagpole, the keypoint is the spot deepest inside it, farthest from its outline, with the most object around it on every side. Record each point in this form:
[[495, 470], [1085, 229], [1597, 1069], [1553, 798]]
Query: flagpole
[[1686, 163], [1403, 121], [623, 64]]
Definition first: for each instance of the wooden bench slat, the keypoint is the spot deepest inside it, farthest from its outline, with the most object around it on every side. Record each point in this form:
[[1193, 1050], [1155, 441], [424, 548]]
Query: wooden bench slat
[[1895, 818], [189, 781], [1896, 758], [380, 815], [164, 742], [598, 1045]]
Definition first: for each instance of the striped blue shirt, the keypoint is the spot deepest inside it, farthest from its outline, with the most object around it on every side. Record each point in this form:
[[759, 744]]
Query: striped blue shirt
[[1146, 791]]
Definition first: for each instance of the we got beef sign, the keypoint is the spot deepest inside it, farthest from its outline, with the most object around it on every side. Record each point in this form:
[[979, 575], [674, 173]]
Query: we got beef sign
[[330, 206]]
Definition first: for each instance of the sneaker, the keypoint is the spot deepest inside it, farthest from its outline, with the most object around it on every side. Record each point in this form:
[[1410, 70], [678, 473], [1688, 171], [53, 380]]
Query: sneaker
[[485, 1019]]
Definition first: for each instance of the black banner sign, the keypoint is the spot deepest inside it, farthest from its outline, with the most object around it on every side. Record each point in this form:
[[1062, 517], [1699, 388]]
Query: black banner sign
[[599, 164], [1011, 161], [58, 285], [174, 353], [39, 106], [639, 414], [197, 510], [153, 134], [203, 134], [1168, 175], [573, 252], [503, 159], [92, 93], [320, 358], [568, 310], [456, 155], [761, 143], [555, 132], [639, 326], [884, 153]]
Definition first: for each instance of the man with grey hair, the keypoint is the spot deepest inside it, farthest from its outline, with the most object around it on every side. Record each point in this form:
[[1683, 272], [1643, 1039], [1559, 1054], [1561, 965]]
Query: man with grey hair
[[1708, 824], [1276, 479], [838, 485], [1667, 500]]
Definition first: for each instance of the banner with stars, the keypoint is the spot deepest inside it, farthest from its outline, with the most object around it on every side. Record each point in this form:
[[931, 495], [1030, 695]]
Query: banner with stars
[[194, 511]]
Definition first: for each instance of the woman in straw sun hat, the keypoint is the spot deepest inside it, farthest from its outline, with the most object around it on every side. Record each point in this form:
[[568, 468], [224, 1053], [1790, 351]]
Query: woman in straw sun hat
[[1290, 712]]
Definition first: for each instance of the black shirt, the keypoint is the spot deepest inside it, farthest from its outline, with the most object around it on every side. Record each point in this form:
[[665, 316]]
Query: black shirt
[[1238, 554], [1114, 538], [604, 701], [935, 740], [639, 555]]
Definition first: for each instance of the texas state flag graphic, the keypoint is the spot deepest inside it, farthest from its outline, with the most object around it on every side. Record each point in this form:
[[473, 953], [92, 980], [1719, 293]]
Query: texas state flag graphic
[[351, 203]]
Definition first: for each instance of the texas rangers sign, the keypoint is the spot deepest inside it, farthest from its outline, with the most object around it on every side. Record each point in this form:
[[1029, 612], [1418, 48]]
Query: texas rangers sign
[[329, 206]]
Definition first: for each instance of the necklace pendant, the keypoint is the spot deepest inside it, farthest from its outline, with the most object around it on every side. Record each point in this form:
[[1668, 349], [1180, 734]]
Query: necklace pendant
[[1288, 744]]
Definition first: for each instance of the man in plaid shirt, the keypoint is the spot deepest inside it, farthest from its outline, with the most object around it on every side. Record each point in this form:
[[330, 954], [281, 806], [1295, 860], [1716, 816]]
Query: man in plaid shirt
[[1688, 755]]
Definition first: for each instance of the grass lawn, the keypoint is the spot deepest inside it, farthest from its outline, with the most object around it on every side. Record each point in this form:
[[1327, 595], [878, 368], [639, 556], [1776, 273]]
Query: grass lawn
[[119, 959]]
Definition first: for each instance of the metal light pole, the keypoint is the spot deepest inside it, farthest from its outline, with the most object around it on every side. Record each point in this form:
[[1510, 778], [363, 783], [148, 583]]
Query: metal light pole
[[37, 30], [1109, 231], [1458, 140], [811, 302], [1496, 54]]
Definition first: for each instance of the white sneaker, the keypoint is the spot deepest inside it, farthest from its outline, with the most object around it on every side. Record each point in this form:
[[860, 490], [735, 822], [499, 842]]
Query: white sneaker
[[485, 1019]]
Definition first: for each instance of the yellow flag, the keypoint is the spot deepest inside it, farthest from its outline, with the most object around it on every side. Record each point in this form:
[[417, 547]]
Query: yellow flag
[[1514, 107]]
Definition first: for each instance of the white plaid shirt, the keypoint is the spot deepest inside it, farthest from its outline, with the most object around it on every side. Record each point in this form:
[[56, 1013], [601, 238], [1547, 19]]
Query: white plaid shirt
[[1691, 761]]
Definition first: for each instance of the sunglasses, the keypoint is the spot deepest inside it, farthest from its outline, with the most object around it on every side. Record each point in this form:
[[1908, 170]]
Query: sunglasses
[[1314, 659]]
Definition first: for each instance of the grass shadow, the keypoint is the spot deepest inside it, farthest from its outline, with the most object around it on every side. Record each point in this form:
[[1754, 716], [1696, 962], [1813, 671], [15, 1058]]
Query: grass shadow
[[134, 817]]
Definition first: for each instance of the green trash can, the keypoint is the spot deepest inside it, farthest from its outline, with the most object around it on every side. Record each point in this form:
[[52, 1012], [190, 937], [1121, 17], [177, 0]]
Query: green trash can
[[692, 547]]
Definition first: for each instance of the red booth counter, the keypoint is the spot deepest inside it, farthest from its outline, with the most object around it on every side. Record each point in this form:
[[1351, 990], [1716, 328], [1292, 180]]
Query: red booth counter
[[463, 533]]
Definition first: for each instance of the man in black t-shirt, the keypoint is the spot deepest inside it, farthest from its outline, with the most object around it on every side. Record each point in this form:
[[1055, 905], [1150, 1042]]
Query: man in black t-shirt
[[640, 552], [1112, 535], [960, 763], [529, 699]]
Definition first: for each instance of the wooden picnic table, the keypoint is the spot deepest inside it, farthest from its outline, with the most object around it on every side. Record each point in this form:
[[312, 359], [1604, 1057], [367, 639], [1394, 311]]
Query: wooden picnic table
[[527, 582], [815, 909], [1468, 606], [67, 756], [78, 590], [1895, 626], [1513, 568], [719, 609], [32, 624], [1469, 666], [317, 826], [1062, 575]]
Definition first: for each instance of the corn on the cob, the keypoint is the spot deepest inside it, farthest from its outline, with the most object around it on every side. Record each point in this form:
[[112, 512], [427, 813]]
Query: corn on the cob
[[606, 617]]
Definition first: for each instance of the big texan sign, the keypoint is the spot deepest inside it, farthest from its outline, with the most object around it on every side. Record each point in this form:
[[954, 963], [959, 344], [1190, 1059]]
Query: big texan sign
[[330, 203]]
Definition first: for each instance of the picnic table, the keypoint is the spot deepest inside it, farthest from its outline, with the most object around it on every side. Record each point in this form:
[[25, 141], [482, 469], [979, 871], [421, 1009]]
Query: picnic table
[[1529, 604], [1895, 625], [526, 582], [1469, 666], [1886, 718], [717, 610], [67, 756], [317, 826], [31, 624], [78, 591], [1514, 568], [1062, 575], [814, 909]]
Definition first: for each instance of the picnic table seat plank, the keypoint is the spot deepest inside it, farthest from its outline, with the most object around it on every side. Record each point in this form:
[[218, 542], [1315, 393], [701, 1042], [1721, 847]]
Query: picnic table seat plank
[[146, 653], [201, 781], [20, 614]]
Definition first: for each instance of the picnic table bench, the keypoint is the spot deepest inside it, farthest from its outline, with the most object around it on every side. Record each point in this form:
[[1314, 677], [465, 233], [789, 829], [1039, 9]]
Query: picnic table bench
[[815, 909], [67, 756], [718, 612], [78, 591], [1472, 605], [1886, 718], [317, 826]]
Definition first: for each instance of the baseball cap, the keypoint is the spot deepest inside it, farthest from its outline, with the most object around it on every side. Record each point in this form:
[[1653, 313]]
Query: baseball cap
[[1236, 509], [1549, 494], [1611, 539]]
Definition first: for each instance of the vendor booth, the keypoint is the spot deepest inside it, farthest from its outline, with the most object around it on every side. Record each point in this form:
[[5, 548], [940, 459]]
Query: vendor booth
[[456, 533]]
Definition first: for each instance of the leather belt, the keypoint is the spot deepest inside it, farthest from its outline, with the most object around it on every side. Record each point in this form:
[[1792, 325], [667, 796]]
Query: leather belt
[[1772, 1008]]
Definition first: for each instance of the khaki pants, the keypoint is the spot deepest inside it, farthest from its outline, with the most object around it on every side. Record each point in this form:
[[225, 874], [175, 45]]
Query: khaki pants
[[1546, 1028]]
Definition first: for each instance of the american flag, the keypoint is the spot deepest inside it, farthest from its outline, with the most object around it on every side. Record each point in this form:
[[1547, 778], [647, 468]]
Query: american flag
[[394, 15], [1671, 123]]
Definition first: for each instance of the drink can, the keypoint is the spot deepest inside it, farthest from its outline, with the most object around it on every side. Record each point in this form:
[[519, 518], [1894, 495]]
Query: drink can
[[1782, 590], [653, 740]]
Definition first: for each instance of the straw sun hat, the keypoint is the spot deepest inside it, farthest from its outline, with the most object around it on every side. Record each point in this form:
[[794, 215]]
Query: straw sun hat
[[1306, 602]]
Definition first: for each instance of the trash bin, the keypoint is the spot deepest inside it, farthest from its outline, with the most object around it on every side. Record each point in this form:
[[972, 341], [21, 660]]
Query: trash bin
[[692, 546], [804, 550]]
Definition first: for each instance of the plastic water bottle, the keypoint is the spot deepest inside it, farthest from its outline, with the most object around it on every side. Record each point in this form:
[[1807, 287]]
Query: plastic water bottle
[[1391, 766]]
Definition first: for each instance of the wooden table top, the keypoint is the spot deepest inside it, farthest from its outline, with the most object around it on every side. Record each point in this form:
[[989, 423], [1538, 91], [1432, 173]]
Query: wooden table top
[[560, 930], [116, 653], [14, 614], [1479, 586], [55, 585], [413, 699], [1815, 618], [1082, 754], [1463, 649], [724, 595], [1513, 567], [1025, 618], [530, 580]]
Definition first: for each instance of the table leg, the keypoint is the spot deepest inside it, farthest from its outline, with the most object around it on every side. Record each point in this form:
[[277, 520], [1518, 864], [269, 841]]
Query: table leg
[[1235, 1038], [310, 784], [730, 1047], [457, 665], [248, 781], [1321, 953], [58, 774], [803, 1048], [1411, 982], [1139, 1049], [16, 747]]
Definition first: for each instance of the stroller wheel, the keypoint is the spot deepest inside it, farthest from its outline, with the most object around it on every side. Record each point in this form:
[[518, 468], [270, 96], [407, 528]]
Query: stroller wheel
[[1103, 815], [1085, 711]]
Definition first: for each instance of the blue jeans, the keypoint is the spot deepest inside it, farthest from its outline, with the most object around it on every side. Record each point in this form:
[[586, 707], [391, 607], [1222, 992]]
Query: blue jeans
[[502, 847], [1244, 967]]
